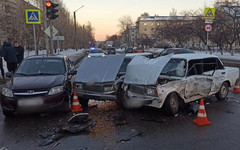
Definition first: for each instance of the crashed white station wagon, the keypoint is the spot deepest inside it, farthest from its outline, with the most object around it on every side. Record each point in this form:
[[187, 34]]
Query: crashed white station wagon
[[169, 80]]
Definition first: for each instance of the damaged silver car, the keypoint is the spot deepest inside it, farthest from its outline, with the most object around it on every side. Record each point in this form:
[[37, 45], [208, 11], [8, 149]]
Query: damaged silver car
[[99, 78], [170, 80]]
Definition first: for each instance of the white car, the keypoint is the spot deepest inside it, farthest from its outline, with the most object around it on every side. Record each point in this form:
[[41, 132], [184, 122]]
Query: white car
[[96, 53], [169, 80]]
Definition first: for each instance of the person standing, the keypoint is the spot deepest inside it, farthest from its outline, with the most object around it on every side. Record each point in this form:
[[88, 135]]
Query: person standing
[[1, 63], [19, 51], [10, 57]]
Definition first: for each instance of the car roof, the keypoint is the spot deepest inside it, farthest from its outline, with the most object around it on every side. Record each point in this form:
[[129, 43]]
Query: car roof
[[191, 56], [45, 56], [137, 54]]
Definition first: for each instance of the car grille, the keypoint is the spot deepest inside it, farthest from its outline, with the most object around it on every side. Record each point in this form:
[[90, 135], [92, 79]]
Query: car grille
[[30, 93], [93, 88], [137, 89]]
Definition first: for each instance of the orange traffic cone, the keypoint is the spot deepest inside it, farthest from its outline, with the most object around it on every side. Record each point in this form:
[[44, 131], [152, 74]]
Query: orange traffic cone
[[75, 104], [202, 116], [236, 88]]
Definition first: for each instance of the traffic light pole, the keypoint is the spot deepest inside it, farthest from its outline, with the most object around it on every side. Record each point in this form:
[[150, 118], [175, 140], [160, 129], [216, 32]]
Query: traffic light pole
[[51, 37], [75, 30]]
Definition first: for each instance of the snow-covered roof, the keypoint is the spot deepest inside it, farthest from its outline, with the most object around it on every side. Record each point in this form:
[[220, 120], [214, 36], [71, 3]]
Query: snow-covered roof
[[167, 18], [191, 56]]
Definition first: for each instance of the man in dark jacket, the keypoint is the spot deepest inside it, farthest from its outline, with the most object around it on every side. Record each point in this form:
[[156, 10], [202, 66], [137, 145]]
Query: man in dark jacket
[[19, 51], [10, 57]]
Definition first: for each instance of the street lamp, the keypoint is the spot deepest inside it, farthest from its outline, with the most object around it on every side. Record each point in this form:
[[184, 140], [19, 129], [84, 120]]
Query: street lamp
[[75, 26], [84, 34]]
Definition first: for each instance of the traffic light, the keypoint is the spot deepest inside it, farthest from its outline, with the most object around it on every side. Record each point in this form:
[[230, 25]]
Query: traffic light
[[50, 10]]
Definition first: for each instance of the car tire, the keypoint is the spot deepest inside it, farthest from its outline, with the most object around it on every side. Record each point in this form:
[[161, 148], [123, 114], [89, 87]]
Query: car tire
[[223, 92], [84, 102], [171, 104]]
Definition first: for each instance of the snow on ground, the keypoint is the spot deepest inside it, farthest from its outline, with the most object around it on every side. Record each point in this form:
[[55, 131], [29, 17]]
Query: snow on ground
[[27, 53]]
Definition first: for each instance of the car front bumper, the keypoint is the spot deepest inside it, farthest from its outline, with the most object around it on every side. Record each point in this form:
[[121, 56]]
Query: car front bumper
[[32, 104]]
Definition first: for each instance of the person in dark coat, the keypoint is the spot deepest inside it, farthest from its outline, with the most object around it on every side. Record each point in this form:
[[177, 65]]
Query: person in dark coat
[[1, 63], [20, 51], [10, 57]]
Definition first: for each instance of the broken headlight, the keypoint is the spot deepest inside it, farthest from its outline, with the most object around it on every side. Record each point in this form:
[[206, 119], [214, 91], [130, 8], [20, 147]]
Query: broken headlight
[[7, 92], [151, 92]]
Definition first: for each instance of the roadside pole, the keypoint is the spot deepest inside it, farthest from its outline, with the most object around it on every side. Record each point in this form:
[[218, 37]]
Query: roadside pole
[[51, 37], [58, 44], [33, 16], [209, 15], [35, 41]]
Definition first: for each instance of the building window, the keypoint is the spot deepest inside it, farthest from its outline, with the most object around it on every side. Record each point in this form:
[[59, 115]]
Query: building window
[[145, 29], [158, 24], [152, 29], [145, 23]]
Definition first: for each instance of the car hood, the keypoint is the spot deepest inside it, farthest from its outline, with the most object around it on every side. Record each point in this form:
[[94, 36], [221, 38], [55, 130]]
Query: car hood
[[145, 71], [32, 82], [99, 69]]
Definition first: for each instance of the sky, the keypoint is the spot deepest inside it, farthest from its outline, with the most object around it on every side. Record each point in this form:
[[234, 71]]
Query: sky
[[104, 15]]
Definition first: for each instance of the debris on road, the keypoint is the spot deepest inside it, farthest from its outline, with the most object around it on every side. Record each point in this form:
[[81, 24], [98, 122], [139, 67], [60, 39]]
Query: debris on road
[[51, 139], [132, 134], [156, 120], [79, 118], [119, 119], [76, 124], [3, 148], [75, 128]]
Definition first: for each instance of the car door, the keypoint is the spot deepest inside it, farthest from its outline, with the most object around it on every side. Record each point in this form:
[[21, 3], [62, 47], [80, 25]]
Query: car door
[[198, 85]]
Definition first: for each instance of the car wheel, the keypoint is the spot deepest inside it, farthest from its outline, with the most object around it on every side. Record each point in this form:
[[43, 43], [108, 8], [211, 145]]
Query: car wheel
[[171, 104], [223, 92], [84, 102]]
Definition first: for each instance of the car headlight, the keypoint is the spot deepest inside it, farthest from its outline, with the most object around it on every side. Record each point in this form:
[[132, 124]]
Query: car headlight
[[55, 90], [107, 88], [151, 91], [7, 92], [89, 56]]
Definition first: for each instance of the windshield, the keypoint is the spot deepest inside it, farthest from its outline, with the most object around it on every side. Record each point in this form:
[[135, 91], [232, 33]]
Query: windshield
[[41, 66], [175, 67]]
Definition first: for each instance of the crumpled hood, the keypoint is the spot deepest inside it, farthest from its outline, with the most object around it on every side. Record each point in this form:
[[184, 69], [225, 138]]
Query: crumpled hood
[[35, 82], [145, 71], [99, 69]]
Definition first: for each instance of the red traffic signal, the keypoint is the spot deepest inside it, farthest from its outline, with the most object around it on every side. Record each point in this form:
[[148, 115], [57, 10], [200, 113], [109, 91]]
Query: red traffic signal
[[48, 3]]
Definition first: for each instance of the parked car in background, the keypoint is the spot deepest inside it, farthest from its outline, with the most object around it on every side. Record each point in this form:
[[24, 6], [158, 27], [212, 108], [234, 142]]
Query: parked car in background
[[101, 78], [175, 51], [172, 80], [111, 50], [41, 83], [129, 50], [96, 52], [139, 50]]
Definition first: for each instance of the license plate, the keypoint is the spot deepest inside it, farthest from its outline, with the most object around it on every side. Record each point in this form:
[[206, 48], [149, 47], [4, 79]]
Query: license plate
[[30, 102]]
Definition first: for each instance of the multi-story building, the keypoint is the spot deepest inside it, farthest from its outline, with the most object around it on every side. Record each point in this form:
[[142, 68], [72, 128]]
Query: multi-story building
[[8, 9], [149, 28]]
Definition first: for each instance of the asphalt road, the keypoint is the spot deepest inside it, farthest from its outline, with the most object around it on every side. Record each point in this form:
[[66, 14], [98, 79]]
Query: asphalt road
[[143, 129]]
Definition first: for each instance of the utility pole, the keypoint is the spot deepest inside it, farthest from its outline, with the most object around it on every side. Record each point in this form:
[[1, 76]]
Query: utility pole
[[45, 26], [75, 27]]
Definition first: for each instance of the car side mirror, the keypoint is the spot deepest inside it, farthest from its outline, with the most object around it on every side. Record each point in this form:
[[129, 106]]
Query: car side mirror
[[9, 74], [72, 72]]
